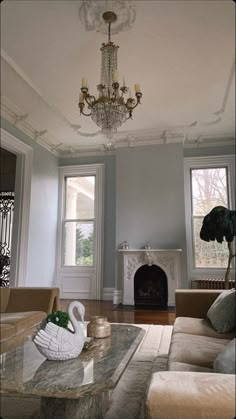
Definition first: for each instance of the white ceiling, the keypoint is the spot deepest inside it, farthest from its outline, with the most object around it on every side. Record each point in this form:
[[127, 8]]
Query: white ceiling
[[181, 52]]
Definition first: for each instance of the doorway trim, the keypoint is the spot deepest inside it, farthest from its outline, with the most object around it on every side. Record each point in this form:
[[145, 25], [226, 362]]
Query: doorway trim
[[20, 232], [90, 277]]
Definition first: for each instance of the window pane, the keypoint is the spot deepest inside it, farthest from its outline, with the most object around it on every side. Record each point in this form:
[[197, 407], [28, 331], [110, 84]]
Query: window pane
[[80, 193], [208, 254], [209, 189], [79, 239]]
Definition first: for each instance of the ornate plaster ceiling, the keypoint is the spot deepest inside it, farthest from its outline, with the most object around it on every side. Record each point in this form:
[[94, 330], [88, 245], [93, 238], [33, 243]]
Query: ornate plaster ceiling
[[182, 54]]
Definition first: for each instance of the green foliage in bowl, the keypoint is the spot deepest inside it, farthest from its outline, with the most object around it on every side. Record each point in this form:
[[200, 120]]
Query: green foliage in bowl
[[60, 318]]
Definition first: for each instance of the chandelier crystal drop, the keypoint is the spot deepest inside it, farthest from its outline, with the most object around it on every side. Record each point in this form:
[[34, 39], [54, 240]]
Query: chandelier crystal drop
[[110, 109]]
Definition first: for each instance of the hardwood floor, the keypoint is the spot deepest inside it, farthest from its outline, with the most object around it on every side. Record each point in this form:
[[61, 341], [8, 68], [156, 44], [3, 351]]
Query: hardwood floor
[[118, 315]]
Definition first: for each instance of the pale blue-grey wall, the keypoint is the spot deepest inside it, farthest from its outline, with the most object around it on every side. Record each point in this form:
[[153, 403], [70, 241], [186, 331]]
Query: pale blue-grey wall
[[209, 151], [43, 212], [109, 211], [150, 198], [144, 202]]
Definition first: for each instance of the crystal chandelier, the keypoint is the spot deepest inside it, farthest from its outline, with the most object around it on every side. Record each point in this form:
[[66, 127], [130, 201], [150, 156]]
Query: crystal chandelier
[[110, 109]]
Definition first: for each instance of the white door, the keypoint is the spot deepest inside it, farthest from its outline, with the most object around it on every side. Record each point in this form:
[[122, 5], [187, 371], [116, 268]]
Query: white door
[[80, 231]]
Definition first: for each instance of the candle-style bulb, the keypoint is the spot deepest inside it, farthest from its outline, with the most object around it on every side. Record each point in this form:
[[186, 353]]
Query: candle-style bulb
[[84, 82], [137, 88]]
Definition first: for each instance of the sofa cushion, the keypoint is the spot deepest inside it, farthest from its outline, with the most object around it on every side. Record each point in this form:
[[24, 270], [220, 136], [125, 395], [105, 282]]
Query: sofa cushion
[[4, 298], [201, 327], [194, 349], [225, 361], [6, 331], [24, 320], [182, 366], [195, 395], [222, 312]]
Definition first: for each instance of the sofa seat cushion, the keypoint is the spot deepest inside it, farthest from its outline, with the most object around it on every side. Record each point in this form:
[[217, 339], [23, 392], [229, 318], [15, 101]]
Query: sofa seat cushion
[[225, 362], [182, 366], [195, 395], [24, 320], [6, 331], [201, 327], [194, 349]]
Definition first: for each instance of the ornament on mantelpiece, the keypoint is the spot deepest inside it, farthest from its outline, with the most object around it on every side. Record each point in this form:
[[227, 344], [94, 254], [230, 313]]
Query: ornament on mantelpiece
[[124, 245]]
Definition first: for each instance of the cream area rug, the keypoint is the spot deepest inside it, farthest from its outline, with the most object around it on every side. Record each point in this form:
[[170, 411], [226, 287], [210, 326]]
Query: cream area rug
[[129, 396]]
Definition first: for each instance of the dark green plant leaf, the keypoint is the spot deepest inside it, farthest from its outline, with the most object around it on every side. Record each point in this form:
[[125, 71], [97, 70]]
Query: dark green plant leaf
[[60, 318], [218, 225]]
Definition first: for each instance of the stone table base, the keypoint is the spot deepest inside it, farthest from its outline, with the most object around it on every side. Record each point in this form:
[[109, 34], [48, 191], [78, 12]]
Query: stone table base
[[92, 407]]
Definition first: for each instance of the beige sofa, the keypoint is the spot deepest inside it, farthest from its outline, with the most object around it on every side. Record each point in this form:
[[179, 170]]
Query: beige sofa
[[190, 388], [22, 310]]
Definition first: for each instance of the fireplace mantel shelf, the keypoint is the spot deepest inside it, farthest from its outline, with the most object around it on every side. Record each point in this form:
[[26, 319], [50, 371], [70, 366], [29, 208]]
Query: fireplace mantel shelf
[[150, 250]]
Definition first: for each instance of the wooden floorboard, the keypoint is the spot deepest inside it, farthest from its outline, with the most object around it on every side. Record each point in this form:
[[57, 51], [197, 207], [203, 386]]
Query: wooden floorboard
[[114, 315]]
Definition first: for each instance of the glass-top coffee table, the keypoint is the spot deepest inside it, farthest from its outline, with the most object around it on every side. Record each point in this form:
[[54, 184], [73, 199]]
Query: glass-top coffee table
[[78, 388]]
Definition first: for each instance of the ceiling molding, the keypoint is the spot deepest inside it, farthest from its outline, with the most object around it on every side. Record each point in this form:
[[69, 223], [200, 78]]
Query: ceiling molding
[[227, 90], [20, 121], [36, 90], [187, 134], [130, 139]]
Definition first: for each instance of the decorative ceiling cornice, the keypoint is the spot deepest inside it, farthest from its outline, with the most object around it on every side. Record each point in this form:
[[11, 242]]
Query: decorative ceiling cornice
[[129, 140], [19, 120], [189, 135], [90, 13]]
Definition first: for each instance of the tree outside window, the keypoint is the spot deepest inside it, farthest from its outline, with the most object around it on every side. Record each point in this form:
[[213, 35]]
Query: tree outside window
[[209, 188]]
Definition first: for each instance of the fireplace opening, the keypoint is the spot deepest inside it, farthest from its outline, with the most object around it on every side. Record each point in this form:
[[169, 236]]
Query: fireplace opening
[[150, 287]]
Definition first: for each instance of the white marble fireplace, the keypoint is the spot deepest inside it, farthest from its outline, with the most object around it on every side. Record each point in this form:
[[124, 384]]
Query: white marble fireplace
[[130, 260]]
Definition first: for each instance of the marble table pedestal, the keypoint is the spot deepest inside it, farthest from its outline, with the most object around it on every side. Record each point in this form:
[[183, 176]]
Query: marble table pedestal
[[92, 407]]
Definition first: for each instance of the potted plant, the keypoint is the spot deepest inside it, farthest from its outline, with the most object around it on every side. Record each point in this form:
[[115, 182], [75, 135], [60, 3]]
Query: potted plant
[[220, 225]]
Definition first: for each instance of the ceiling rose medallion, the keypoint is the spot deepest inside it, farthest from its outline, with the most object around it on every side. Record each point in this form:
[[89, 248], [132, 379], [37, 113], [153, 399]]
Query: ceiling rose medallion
[[91, 15], [111, 107]]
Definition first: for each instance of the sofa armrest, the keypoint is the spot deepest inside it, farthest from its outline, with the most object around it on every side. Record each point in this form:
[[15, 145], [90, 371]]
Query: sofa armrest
[[194, 303], [182, 395], [33, 299]]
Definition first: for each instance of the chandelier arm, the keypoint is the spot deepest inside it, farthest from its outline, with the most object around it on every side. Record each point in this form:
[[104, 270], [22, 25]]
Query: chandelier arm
[[132, 107], [88, 99], [130, 115], [85, 114]]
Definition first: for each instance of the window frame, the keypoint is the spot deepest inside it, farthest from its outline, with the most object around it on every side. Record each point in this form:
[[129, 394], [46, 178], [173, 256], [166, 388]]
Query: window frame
[[77, 220], [96, 170], [191, 163]]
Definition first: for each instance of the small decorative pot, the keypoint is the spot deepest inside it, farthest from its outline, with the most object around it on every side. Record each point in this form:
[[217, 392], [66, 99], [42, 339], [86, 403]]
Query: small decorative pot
[[98, 327], [124, 245]]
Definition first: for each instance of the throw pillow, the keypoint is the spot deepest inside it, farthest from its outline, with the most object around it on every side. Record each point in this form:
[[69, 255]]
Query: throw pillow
[[225, 362], [222, 312]]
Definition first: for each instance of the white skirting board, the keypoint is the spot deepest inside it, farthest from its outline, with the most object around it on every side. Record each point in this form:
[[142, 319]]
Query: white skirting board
[[108, 294]]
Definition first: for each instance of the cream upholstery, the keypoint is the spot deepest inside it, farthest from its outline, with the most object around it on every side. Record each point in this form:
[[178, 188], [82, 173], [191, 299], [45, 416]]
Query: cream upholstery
[[190, 388], [199, 327], [195, 395], [183, 366], [23, 320], [22, 309], [195, 350]]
